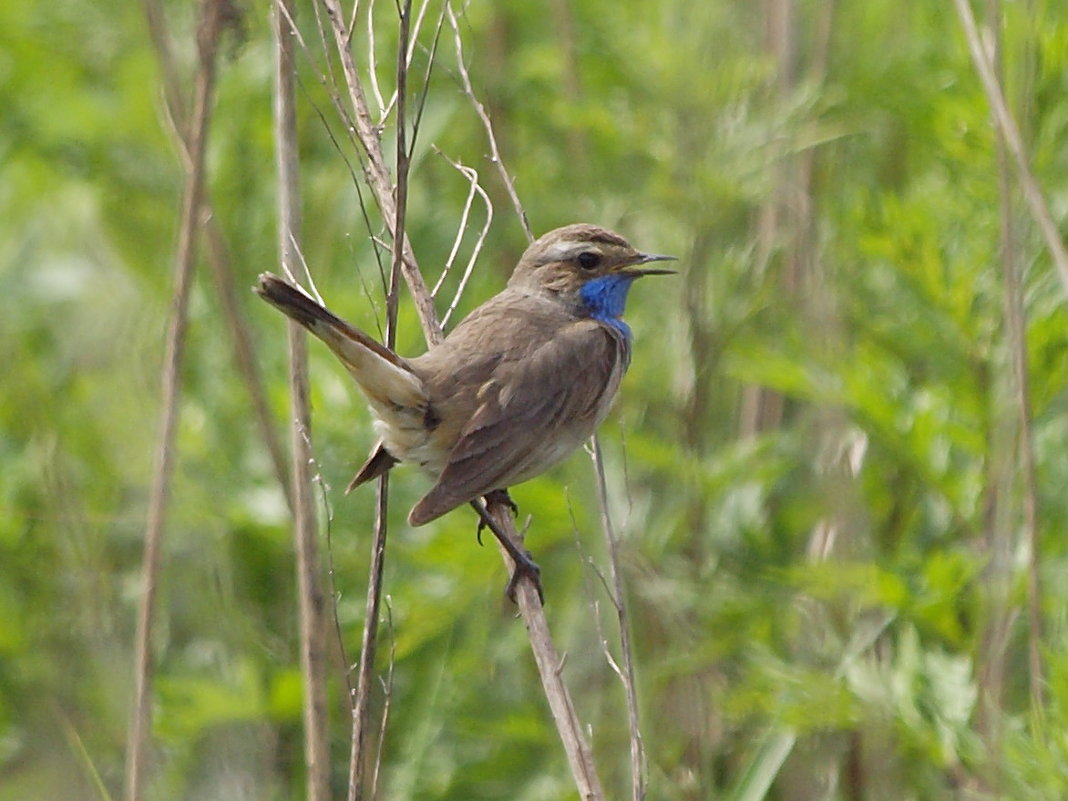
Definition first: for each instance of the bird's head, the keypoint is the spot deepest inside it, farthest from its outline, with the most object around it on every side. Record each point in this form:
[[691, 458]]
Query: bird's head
[[586, 266]]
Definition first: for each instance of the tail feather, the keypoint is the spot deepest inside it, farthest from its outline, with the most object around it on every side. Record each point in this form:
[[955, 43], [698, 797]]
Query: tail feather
[[380, 461], [383, 376]]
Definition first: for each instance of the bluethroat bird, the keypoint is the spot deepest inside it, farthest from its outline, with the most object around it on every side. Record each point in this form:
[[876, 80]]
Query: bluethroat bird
[[513, 389]]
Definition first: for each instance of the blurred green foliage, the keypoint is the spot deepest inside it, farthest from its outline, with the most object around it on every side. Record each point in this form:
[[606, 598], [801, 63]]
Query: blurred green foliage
[[829, 606]]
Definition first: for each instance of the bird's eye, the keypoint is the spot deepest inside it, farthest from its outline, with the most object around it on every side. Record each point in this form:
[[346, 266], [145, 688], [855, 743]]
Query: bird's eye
[[589, 260]]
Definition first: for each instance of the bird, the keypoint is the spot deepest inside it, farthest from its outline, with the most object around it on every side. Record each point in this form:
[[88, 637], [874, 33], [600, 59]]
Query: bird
[[512, 390]]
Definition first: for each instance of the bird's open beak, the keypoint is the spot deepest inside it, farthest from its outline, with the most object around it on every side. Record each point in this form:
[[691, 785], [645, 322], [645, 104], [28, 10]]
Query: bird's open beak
[[645, 258]]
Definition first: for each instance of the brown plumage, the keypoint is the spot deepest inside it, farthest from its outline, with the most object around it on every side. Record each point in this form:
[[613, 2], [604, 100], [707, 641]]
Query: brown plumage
[[514, 388]]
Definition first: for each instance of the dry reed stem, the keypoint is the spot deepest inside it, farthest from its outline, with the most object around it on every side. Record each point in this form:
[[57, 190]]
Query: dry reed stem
[[410, 54], [368, 646], [311, 599], [361, 700], [997, 491], [217, 252], [1009, 135], [475, 189], [1016, 336], [550, 667], [487, 124], [185, 257], [377, 173], [387, 700], [618, 598], [1007, 127]]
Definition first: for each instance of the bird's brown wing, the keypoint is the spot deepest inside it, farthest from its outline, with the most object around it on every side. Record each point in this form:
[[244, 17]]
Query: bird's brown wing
[[533, 412]]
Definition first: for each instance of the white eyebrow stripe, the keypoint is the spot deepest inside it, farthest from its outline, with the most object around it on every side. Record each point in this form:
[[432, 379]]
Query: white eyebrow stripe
[[562, 251]]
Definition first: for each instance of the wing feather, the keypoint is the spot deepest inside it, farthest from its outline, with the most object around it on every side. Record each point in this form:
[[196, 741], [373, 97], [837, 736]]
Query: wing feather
[[532, 412]]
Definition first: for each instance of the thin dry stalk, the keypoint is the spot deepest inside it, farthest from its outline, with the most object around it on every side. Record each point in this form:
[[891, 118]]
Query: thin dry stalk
[[401, 208], [618, 598], [487, 125], [550, 667], [998, 491], [1007, 128], [412, 40], [476, 188], [368, 645], [763, 409], [377, 173], [387, 700], [327, 78], [309, 582], [141, 722], [218, 258], [218, 252], [372, 52], [1016, 324], [1010, 140], [174, 100]]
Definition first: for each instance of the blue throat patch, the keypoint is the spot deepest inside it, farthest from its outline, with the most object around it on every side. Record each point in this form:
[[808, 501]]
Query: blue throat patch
[[606, 297]]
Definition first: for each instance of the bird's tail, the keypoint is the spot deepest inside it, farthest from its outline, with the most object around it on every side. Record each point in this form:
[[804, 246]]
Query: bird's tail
[[383, 376]]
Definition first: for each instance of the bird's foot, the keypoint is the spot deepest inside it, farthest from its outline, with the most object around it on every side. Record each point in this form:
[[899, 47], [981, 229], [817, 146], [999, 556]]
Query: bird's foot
[[525, 567], [499, 496], [502, 497]]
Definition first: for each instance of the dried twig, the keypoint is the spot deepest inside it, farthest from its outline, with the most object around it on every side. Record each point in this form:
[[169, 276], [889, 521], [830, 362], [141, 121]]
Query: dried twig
[[549, 664], [997, 490], [495, 154], [387, 700], [309, 581], [374, 588], [476, 188], [372, 54], [208, 36], [218, 252], [377, 173], [1016, 335], [362, 698], [626, 671], [1007, 127], [409, 55]]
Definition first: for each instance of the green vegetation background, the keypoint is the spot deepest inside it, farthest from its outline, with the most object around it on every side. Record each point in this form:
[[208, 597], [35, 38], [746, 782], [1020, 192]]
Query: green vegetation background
[[814, 462]]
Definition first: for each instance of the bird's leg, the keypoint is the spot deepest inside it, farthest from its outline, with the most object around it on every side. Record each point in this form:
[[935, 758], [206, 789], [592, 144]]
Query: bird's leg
[[502, 497], [524, 565]]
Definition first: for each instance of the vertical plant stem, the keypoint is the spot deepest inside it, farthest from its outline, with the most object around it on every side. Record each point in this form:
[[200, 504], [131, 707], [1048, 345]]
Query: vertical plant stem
[[141, 720], [626, 671], [218, 252], [1005, 123], [1001, 444], [487, 125], [763, 409], [365, 680], [550, 668], [1016, 325], [1010, 142], [218, 257], [377, 173], [309, 580], [368, 646]]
